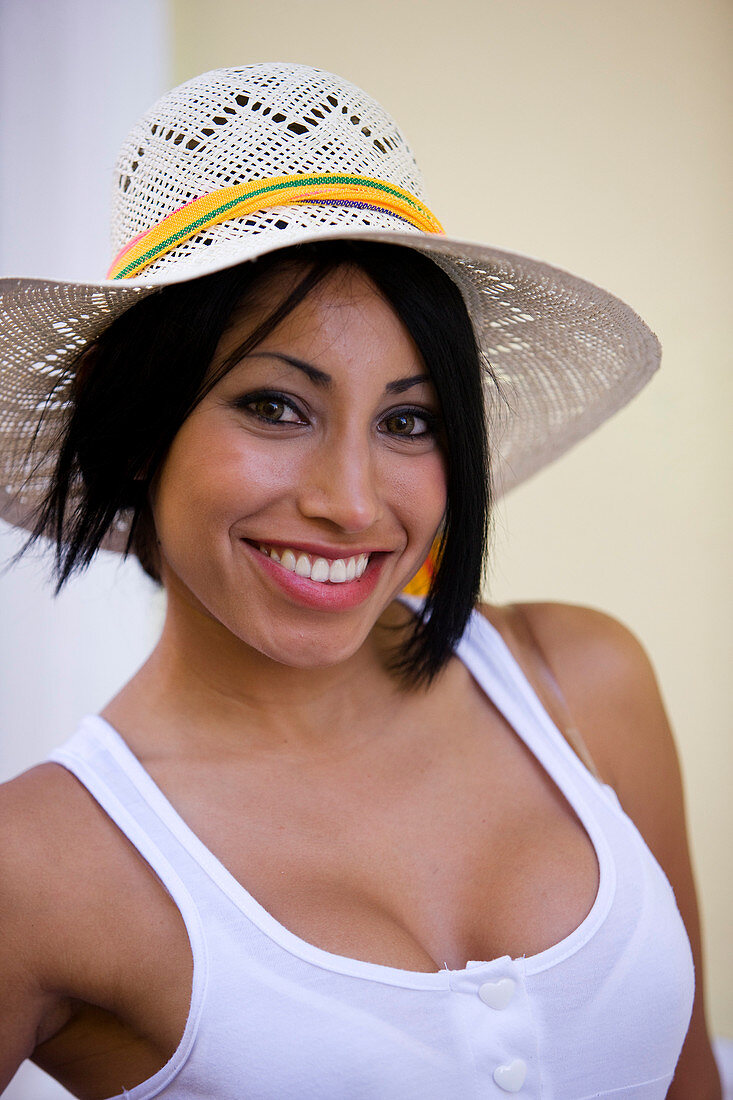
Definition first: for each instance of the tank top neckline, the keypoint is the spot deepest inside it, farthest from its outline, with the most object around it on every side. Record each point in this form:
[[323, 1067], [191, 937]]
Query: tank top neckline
[[504, 684]]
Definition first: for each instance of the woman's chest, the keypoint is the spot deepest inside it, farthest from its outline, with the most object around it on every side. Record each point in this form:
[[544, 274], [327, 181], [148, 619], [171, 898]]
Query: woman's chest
[[419, 860], [441, 841], [426, 853]]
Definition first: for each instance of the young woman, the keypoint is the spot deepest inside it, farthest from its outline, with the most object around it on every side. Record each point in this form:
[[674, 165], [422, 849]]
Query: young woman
[[332, 840]]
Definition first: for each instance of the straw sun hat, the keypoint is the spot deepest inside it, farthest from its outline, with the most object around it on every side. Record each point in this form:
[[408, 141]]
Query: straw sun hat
[[239, 162]]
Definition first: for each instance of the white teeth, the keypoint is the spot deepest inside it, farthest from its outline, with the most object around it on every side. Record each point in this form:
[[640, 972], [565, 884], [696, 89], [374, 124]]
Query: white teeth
[[303, 566], [319, 570], [338, 571]]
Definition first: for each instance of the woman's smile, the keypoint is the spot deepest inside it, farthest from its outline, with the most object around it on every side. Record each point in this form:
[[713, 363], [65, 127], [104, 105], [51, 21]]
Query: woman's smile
[[318, 582], [310, 480]]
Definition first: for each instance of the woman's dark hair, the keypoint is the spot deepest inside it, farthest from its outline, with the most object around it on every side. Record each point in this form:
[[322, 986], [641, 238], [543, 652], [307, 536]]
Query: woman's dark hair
[[139, 380]]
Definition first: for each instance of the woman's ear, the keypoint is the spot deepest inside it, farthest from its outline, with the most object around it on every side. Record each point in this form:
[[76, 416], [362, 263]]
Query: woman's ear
[[144, 542]]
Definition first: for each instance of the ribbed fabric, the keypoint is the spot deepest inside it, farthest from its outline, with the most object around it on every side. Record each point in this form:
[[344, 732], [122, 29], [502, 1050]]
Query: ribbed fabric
[[604, 1012]]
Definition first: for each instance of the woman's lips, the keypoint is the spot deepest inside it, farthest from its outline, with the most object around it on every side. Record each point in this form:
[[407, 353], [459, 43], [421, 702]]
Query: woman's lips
[[294, 575]]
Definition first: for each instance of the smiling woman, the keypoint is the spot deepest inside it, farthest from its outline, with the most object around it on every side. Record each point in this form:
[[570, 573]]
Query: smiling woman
[[305, 448], [220, 352], [331, 839]]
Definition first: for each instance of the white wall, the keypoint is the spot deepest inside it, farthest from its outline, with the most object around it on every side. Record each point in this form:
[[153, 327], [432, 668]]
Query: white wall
[[74, 75]]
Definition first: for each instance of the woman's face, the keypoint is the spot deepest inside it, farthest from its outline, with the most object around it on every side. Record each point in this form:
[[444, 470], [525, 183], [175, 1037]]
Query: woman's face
[[304, 491]]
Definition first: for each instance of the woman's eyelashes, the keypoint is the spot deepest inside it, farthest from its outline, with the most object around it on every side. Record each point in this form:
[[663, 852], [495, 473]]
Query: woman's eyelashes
[[409, 423], [271, 407]]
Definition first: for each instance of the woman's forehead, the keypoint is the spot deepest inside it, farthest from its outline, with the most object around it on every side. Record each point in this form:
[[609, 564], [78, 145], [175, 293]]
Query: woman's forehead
[[344, 314], [344, 282]]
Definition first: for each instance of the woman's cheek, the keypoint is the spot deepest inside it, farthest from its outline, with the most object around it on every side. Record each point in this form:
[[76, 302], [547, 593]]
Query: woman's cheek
[[230, 474], [424, 489]]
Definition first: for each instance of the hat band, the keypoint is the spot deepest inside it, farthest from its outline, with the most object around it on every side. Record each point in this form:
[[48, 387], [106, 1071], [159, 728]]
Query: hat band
[[247, 198]]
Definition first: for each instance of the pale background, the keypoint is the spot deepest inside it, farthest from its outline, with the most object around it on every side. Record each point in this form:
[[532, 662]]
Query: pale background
[[593, 134]]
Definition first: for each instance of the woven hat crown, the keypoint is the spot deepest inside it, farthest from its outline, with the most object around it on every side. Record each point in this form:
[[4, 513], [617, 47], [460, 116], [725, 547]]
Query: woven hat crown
[[234, 126]]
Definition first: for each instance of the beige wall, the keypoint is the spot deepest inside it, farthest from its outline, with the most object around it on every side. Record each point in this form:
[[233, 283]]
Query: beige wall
[[593, 134]]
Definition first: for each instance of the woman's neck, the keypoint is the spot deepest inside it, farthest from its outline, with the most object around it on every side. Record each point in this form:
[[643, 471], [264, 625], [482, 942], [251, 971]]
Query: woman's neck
[[203, 689]]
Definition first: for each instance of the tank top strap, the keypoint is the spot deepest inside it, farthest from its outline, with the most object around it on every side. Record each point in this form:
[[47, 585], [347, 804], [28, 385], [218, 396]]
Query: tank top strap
[[102, 762], [106, 767], [491, 663]]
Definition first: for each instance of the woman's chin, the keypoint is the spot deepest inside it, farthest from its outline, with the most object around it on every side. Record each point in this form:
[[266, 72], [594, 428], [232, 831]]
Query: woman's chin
[[259, 631], [311, 654]]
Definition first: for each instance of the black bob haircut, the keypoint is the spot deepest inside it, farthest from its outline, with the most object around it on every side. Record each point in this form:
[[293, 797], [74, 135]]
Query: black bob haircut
[[139, 380]]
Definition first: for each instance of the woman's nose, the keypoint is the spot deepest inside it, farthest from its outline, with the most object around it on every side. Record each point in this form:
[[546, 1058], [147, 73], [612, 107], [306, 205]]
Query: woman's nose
[[341, 485]]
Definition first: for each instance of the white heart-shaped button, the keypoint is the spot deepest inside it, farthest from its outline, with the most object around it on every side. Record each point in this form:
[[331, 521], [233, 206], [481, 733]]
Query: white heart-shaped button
[[497, 994], [511, 1077]]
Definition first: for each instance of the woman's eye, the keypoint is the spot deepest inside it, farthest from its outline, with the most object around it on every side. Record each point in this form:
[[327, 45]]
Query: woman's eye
[[275, 410], [407, 422]]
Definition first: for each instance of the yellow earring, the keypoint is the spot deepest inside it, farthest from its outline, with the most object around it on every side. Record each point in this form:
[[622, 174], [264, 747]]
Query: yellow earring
[[420, 583]]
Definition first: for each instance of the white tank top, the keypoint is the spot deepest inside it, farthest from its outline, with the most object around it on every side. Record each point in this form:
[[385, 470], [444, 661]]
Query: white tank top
[[604, 1012]]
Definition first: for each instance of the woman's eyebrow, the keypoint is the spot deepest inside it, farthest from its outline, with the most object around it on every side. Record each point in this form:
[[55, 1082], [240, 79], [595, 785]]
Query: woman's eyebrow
[[403, 384], [320, 378]]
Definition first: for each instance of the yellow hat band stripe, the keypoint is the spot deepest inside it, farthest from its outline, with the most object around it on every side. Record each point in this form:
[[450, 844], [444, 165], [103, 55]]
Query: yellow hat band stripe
[[248, 198]]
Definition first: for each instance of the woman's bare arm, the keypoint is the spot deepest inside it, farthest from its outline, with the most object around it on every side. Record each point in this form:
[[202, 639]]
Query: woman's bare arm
[[613, 696], [29, 1010]]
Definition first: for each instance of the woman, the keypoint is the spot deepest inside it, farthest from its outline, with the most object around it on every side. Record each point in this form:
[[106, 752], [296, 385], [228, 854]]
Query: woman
[[332, 840]]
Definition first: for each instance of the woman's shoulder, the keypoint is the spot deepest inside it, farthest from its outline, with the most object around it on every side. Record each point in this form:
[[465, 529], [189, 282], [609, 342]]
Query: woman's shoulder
[[64, 872], [44, 802], [46, 822], [588, 640], [611, 699], [41, 811], [49, 824], [605, 684]]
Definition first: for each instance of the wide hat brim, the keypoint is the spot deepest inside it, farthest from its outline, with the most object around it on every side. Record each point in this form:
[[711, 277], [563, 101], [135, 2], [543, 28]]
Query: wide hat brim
[[564, 354]]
